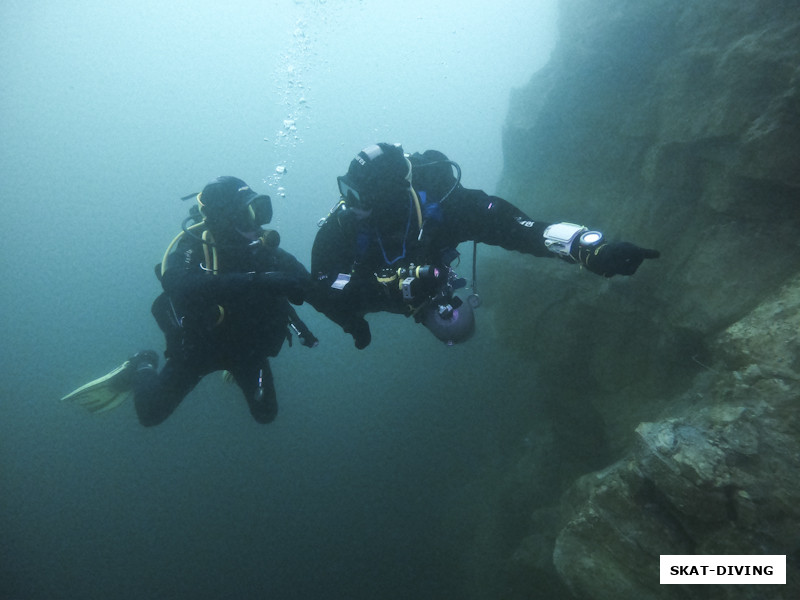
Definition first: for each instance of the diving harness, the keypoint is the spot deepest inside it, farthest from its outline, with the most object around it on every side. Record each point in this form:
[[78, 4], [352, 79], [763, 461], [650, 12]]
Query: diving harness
[[163, 308]]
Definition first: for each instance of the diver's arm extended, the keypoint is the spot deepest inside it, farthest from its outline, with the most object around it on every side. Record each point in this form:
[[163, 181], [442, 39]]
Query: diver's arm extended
[[495, 221], [475, 215], [186, 276]]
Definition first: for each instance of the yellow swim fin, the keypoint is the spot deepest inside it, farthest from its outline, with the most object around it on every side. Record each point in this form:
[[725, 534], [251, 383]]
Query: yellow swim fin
[[112, 389], [106, 392]]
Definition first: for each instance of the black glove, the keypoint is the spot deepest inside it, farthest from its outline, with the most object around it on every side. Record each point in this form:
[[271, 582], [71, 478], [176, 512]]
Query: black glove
[[282, 284], [616, 258], [359, 329], [308, 340], [304, 334]]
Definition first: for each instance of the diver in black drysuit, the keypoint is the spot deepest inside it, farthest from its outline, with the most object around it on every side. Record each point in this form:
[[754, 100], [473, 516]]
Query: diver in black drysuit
[[225, 306], [396, 211]]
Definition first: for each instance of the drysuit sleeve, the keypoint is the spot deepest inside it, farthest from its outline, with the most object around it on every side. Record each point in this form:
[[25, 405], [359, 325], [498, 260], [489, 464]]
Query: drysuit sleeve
[[187, 279], [336, 289], [287, 263], [475, 215]]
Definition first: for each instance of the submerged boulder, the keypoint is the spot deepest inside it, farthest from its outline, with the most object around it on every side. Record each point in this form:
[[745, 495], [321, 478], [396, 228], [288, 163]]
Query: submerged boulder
[[720, 477]]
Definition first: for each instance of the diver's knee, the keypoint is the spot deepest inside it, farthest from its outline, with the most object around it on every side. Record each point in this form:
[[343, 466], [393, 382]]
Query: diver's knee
[[151, 410], [264, 412], [149, 418], [263, 417]]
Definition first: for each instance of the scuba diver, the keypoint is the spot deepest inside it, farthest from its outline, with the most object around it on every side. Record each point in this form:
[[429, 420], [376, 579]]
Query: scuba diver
[[390, 242], [225, 306]]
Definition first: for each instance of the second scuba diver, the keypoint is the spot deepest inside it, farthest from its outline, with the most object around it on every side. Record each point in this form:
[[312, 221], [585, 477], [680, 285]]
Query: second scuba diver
[[389, 243], [225, 306]]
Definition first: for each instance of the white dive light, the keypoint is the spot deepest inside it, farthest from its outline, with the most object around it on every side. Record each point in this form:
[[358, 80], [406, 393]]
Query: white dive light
[[559, 237], [591, 239]]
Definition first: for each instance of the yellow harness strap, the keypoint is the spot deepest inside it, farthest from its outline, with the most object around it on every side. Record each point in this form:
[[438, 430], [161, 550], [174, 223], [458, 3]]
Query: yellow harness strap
[[210, 253], [212, 264]]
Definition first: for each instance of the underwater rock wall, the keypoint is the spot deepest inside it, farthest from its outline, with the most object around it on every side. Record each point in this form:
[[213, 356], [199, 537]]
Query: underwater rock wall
[[719, 476], [674, 125]]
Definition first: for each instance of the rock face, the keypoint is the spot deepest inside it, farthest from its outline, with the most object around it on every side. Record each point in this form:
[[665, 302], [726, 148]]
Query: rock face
[[674, 125], [718, 477]]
